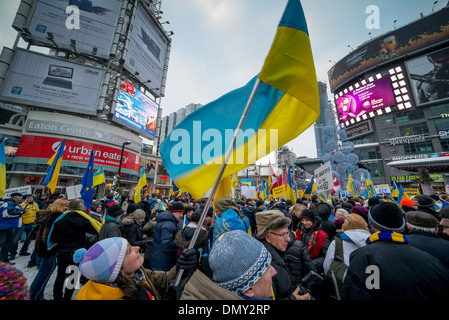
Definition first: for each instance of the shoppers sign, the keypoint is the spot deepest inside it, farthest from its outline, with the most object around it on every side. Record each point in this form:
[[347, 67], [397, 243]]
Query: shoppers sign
[[78, 151]]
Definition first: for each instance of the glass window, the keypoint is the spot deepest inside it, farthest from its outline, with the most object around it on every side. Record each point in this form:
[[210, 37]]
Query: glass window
[[386, 120], [436, 111], [442, 124], [412, 129], [376, 170], [410, 116], [418, 148], [445, 145], [368, 154]]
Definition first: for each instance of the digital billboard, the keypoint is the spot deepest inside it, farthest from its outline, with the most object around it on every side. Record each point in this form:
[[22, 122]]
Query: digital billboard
[[90, 31], [418, 35], [135, 110], [47, 82], [429, 77], [365, 99], [147, 51]]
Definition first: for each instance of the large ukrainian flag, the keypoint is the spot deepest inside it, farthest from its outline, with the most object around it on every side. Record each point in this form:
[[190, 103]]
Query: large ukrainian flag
[[285, 104], [2, 169], [55, 166]]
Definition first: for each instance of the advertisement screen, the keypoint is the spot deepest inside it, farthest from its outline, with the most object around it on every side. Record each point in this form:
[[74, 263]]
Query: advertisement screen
[[89, 30], [135, 110], [364, 99], [147, 51], [429, 77], [43, 81]]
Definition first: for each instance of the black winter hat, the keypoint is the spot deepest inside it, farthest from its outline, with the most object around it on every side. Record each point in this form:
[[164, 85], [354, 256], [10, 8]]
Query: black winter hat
[[373, 201], [132, 207], [177, 207], [115, 210], [308, 214], [425, 201], [387, 216]]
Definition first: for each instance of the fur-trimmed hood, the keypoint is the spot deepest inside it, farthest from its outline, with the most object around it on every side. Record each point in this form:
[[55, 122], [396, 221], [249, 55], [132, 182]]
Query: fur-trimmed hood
[[184, 236]]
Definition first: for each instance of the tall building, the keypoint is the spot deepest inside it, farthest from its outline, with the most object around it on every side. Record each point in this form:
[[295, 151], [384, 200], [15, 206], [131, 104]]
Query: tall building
[[322, 121]]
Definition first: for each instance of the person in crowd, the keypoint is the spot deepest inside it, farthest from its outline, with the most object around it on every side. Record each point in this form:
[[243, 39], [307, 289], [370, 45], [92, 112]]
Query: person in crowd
[[340, 216], [132, 229], [388, 268], [110, 199], [164, 251], [423, 235], [241, 268], [290, 258], [114, 270], [313, 237], [426, 204], [437, 200], [10, 225], [69, 233], [353, 236], [112, 223], [443, 214], [324, 210], [41, 200], [444, 223], [248, 212], [46, 258], [408, 204], [186, 217], [296, 212], [203, 241], [228, 218], [29, 208], [96, 211]]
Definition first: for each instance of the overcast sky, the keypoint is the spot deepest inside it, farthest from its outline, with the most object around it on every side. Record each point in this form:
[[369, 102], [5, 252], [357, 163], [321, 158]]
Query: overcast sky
[[218, 45]]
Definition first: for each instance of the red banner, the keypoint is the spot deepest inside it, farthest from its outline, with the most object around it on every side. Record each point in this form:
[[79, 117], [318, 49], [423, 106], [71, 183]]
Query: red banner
[[45, 147]]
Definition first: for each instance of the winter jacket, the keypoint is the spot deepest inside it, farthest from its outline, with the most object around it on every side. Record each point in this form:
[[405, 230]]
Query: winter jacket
[[70, 231], [305, 239], [164, 251], [10, 215], [110, 228], [200, 287], [202, 244], [154, 285], [430, 243], [352, 240], [132, 231], [30, 210], [291, 266], [401, 270], [229, 220], [44, 220]]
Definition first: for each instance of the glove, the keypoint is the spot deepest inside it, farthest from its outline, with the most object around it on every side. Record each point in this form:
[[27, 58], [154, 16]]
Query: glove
[[187, 260]]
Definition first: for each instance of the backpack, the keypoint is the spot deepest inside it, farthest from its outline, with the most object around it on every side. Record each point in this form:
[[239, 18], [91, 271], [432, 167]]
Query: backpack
[[42, 237], [337, 271]]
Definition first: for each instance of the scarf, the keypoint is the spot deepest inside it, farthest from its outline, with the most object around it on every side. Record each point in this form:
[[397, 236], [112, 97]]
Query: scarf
[[316, 242], [108, 218], [387, 235], [97, 225]]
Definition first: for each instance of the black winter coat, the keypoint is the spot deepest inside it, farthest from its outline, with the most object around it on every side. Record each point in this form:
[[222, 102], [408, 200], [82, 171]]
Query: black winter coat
[[404, 273], [291, 266], [430, 243]]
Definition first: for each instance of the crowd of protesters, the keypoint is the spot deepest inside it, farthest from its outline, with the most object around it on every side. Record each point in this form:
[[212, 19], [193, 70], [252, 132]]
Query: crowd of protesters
[[351, 249]]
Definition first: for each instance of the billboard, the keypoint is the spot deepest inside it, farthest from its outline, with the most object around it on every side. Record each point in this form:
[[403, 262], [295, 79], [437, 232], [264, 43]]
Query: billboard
[[43, 81], [421, 34], [135, 110], [90, 32], [365, 99], [147, 51], [429, 77], [77, 151]]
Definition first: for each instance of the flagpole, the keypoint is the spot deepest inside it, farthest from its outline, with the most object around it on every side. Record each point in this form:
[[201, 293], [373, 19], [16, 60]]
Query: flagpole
[[220, 173]]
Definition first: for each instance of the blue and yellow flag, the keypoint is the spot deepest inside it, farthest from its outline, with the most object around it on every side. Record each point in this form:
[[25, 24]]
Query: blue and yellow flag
[[291, 194], [350, 186], [142, 183], [99, 177], [2, 169], [310, 189], [369, 187], [87, 182], [194, 151], [55, 166]]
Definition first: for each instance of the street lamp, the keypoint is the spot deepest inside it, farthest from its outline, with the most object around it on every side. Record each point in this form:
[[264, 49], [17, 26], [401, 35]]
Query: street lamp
[[121, 156]]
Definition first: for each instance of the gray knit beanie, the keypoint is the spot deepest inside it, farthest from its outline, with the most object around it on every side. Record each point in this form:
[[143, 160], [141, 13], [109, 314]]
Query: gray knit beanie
[[238, 261]]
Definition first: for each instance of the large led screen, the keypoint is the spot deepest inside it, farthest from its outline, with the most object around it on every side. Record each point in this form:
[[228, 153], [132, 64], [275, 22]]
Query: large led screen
[[365, 99], [135, 110], [429, 77]]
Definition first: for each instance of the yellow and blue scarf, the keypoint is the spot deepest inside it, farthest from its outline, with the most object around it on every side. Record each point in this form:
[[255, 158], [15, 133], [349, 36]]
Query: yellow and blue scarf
[[386, 235]]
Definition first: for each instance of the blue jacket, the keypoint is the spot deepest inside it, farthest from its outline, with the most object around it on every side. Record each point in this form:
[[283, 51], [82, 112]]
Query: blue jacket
[[164, 251], [10, 215]]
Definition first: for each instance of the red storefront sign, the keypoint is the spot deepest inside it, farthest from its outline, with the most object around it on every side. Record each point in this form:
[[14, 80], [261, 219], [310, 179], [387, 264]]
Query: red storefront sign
[[45, 147]]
